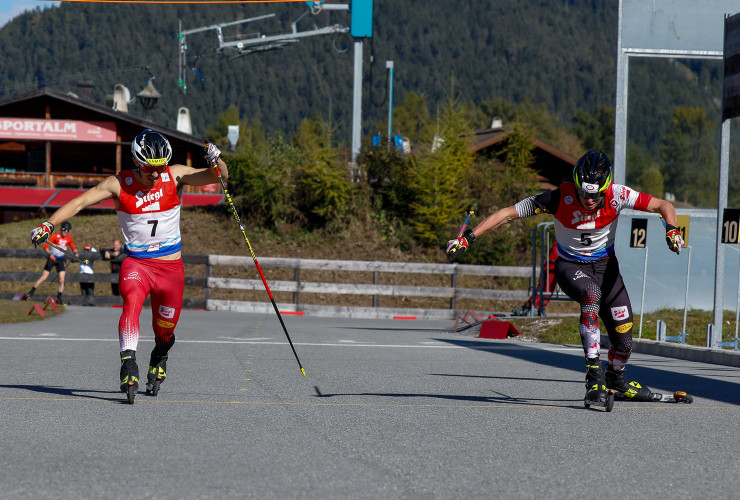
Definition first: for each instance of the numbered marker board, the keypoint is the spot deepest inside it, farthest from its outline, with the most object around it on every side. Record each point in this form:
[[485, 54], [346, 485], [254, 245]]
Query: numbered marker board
[[730, 223], [682, 224], [638, 234]]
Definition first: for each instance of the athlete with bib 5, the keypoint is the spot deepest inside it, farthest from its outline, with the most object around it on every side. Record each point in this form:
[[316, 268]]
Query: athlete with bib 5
[[585, 217], [148, 205]]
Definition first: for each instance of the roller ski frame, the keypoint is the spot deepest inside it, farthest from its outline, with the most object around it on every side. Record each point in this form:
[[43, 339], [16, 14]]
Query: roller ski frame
[[131, 392], [607, 402], [597, 393], [152, 389], [156, 375], [129, 377], [656, 397]]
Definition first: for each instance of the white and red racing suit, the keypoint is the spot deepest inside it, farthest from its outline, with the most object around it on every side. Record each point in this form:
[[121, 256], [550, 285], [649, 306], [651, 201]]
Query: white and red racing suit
[[150, 222], [587, 269]]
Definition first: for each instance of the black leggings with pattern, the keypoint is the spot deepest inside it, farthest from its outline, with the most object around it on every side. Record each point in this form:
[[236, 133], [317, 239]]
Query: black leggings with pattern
[[598, 287]]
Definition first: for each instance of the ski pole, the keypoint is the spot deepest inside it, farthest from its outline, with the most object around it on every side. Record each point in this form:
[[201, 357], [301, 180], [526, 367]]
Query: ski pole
[[68, 253], [256, 263], [462, 229]]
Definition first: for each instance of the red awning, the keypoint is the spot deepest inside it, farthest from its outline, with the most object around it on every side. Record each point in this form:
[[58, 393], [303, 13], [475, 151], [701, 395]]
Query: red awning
[[55, 198], [199, 200], [24, 197], [64, 195]]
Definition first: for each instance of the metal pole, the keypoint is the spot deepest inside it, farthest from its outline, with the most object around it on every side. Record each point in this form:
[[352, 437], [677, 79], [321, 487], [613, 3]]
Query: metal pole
[[737, 306], [686, 297], [357, 102], [389, 65], [620, 111], [642, 301], [719, 265]]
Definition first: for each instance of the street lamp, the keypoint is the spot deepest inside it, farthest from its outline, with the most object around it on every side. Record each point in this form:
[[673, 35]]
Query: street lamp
[[149, 97]]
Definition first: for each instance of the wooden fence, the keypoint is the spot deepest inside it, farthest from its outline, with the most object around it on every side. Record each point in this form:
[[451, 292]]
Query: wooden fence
[[297, 287]]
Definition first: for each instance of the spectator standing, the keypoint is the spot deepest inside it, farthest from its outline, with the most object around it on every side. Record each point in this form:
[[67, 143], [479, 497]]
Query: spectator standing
[[87, 288], [115, 255]]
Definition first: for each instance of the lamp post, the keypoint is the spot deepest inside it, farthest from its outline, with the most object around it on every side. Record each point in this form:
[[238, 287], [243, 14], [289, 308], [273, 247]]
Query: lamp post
[[149, 97]]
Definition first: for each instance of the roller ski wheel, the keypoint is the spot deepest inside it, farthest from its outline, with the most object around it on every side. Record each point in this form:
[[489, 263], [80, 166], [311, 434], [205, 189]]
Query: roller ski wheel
[[157, 373], [152, 388], [596, 391], [129, 375], [676, 397], [606, 402], [131, 393]]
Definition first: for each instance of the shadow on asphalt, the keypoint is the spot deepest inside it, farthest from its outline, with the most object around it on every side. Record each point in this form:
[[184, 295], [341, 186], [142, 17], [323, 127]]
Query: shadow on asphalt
[[502, 399], [659, 380], [76, 393]]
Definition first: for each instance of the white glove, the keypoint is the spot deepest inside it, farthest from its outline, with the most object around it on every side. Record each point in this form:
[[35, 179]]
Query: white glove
[[212, 153]]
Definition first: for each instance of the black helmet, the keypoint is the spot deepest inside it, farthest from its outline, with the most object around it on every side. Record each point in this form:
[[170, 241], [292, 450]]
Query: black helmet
[[151, 150], [66, 226], [592, 174]]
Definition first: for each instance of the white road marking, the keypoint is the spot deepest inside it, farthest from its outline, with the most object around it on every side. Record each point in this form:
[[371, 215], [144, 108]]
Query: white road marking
[[179, 341], [243, 339]]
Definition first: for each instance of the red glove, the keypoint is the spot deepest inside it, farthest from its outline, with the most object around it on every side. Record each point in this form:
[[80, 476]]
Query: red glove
[[457, 246], [41, 233], [673, 238]]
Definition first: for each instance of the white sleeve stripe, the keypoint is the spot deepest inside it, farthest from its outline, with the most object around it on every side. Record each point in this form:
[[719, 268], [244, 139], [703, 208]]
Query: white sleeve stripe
[[525, 208]]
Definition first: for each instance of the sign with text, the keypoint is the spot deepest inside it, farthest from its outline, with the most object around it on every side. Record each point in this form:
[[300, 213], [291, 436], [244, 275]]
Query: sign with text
[[682, 224], [730, 223], [638, 233], [57, 130]]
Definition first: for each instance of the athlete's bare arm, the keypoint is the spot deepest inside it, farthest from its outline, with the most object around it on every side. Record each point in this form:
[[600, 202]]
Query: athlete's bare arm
[[198, 176], [499, 218], [107, 188], [664, 208]]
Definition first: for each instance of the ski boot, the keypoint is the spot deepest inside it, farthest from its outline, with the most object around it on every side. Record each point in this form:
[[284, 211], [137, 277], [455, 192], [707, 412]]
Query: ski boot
[[596, 393], [129, 375], [616, 382], [157, 372]]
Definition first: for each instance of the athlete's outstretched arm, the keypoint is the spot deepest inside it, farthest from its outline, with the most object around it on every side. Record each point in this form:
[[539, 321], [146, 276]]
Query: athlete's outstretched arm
[[667, 210], [499, 218], [461, 243], [664, 208], [199, 176], [107, 188]]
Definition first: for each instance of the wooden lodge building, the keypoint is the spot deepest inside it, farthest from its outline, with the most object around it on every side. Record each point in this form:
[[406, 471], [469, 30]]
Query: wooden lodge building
[[551, 165], [54, 145]]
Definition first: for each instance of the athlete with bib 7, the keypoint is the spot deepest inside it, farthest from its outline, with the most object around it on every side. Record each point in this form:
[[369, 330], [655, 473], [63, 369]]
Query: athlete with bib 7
[[148, 204], [586, 212]]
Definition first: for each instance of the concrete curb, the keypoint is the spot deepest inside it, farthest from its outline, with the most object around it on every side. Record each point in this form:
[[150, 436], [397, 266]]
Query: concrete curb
[[687, 352]]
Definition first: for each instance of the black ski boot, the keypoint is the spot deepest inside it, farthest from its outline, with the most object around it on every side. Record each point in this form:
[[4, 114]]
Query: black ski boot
[[157, 372], [629, 390], [595, 384], [129, 374]]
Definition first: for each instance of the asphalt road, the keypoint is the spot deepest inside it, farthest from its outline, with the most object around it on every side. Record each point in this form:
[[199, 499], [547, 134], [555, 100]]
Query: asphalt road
[[388, 409]]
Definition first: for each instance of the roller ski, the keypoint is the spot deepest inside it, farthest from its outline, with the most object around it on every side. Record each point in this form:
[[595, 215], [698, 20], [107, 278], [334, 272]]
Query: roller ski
[[129, 375], [596, 391], [656, 397], [633, 391], [157, 373]]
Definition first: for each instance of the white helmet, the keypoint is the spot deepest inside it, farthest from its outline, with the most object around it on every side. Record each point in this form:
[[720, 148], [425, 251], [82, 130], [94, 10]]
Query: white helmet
[[151, 150]]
